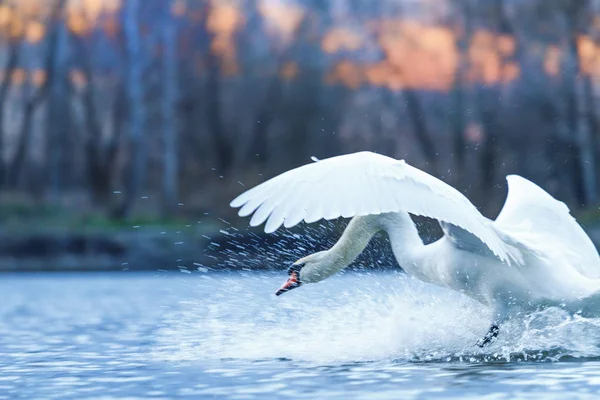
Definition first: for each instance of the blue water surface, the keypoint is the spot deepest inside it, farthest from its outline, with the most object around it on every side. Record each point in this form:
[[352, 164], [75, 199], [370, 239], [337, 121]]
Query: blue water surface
[[225, 335]]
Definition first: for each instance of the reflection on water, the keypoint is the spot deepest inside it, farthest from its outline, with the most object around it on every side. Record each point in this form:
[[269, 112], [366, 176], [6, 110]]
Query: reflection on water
[[226, 335]]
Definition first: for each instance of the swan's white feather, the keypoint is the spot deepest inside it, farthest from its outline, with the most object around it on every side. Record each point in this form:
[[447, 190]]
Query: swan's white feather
[[362, 184], [537, 223]]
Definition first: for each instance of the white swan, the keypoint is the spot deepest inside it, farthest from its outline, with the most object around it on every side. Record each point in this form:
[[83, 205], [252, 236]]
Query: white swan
[[533, 255]]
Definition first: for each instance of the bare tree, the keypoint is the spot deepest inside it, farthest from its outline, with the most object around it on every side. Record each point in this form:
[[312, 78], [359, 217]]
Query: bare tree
[[154, 98], [419, 125], [18, 162], [584, 169], [462, 25], [417, 117], [136, 144], [170, 130], [58, 112], [488, 104], [13, 43], [100, 152]]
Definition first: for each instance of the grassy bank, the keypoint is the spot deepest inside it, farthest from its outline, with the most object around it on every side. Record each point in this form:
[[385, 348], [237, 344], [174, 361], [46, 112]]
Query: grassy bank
[[51, 237], [56, 237]]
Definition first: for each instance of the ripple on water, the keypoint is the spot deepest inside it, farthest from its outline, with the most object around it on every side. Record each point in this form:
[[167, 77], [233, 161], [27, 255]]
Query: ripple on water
[[378, 335]]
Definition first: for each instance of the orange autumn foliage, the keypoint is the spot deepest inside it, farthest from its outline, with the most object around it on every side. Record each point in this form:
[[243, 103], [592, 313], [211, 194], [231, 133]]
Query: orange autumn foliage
[[340, 39], [415, 54], [282, 19], [223, 21], [289, 70]]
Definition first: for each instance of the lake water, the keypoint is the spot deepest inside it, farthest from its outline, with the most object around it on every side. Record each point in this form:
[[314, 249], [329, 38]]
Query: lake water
[[217, 335]]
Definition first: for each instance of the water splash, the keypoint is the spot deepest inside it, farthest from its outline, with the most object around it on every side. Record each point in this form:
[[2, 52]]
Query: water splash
[[358, 317]]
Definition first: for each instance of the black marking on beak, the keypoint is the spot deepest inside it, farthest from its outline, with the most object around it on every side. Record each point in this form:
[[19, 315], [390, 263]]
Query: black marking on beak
[[293, 282], [295, 268]]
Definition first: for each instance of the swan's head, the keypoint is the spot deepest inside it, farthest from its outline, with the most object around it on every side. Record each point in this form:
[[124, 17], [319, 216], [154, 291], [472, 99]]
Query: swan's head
[[310, 269]]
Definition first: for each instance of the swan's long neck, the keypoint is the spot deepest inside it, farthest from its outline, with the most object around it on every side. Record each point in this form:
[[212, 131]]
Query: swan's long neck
[[403, 234], [404, 238]]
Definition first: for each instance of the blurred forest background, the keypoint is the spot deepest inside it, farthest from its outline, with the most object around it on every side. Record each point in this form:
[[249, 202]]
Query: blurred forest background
[[165, 109]]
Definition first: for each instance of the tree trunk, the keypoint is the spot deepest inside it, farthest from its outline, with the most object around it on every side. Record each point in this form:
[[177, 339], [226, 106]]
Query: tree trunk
[[170, 134], [489, 103], [100, 153], [264, 118], [415, 113], [489, 147], [11, 64], [57, 117], [555, 147], [223, 149], [119, 117], [458, 122], [586, 143], [17, 164], [98, 169], [592, 118], [584, 180], [137, 148]]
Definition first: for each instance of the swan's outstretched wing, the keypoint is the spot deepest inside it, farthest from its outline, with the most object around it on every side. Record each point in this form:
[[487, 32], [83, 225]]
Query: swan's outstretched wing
[[537, 222], [361, 184]]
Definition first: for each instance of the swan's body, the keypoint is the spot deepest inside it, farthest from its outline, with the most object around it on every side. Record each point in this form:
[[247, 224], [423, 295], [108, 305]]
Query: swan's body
[[533, 255]]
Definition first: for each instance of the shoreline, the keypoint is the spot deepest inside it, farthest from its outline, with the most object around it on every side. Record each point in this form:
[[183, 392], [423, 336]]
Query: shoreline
[[160, 249]]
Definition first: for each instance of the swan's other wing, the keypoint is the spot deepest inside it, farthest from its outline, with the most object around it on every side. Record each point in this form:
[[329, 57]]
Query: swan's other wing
[[361, 184], [465, 240], [537, 222]]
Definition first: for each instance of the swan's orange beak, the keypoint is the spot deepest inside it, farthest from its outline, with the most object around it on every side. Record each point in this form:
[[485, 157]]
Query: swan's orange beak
[[292, 283]]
